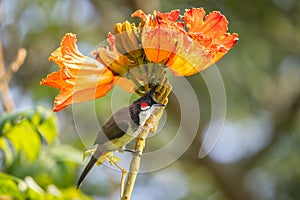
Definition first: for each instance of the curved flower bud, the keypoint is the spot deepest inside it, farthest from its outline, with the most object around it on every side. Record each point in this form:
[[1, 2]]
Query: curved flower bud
[[112, 58], [126, 36]]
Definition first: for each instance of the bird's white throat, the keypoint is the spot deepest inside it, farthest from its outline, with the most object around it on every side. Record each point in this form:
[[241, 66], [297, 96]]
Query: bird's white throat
[[144, 115]]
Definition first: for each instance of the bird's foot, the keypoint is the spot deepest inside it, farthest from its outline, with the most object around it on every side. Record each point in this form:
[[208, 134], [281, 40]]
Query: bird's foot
[[136, 152], [133, 151], [130, 150]]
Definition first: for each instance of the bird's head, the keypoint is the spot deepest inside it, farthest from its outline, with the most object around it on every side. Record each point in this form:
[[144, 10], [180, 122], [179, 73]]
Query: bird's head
[[147, 101], [146, 105]]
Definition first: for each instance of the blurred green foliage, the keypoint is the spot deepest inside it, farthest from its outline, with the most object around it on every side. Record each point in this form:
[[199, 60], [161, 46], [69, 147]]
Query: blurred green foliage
[[16, 128], [33, 170], [17, 189]]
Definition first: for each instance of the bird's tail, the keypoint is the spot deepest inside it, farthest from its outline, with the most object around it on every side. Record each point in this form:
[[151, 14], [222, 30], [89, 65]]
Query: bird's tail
[[89, 166]]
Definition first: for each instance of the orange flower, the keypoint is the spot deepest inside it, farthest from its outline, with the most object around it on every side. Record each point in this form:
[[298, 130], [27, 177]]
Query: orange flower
[[186, 44], [165, 40], [80, 78], [158, 34]]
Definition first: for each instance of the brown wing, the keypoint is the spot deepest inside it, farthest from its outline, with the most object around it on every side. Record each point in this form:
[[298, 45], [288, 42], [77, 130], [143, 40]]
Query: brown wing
[[111, 130]]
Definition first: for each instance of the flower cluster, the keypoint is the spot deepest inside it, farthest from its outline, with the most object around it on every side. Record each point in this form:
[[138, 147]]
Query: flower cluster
[[185, 44], [165, 40]]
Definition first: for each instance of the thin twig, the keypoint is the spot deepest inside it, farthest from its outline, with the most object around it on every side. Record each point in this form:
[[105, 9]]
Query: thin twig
[[14, 66], [5, 76], [2, 68], [124, 172]]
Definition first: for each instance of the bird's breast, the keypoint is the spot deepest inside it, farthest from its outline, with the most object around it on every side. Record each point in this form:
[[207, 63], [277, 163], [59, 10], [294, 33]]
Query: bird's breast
[[118, 143]]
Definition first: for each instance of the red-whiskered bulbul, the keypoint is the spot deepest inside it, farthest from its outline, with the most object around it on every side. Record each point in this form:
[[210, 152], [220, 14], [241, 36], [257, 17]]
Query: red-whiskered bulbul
[[123, 126]]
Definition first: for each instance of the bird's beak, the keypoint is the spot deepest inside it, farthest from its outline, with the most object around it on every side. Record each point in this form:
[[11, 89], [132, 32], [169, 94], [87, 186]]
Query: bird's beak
[[159, 105]]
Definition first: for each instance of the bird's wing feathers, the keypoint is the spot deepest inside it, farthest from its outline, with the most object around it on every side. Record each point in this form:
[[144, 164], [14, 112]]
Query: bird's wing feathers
[[111, 130]]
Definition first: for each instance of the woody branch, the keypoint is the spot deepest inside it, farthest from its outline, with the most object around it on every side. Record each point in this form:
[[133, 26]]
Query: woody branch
[[5, 77], [150, 126]]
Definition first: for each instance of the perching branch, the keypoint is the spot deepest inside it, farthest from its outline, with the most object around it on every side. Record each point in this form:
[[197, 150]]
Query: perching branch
[[135, 163], [150, 125], [5, 76]]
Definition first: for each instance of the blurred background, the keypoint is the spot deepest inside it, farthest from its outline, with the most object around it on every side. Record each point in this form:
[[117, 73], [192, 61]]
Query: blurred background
[[257, 154]]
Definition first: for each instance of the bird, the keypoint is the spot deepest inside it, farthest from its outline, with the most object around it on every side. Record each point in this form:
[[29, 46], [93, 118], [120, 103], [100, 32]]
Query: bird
[[121, 128]]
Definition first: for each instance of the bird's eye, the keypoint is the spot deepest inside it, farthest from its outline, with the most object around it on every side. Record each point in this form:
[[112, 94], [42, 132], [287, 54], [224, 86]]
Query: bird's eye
[[144, 106]]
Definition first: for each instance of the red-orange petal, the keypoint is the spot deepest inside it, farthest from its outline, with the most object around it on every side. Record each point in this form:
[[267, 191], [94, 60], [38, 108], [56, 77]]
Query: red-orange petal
[[171, 16], [67, 97], [193, 18], [53, 80], [189, 59], [139, 13], [210, 32], [126, 84], [158, 34], [80, 78], [214, 25], [158, 44]]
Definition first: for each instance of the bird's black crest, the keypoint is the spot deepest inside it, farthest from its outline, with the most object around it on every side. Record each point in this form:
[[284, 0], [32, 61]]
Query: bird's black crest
[[148, 97]]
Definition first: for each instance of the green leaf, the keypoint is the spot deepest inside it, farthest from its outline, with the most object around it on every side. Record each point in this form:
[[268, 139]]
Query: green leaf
[[8, 154], [57, 165], [26, 131], [25, 140], [14, 188], [9, 187], [34, 191], [47, 125], [72, 193]]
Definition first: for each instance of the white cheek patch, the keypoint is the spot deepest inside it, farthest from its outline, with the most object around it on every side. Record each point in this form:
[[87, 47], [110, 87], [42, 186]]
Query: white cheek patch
[[145, 108], [144, 115]]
